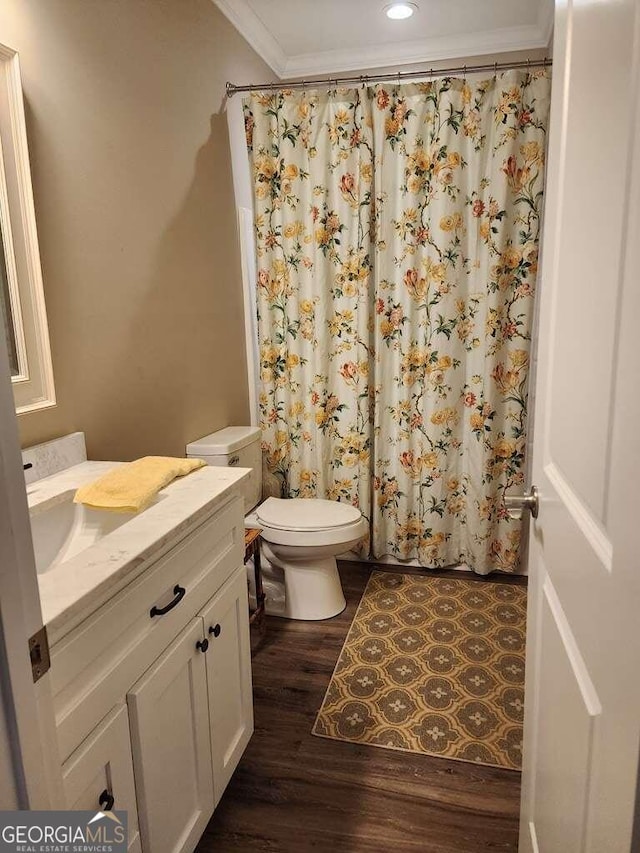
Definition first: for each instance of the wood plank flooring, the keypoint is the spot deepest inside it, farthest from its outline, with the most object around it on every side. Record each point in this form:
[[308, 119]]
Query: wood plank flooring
[[293, 792]]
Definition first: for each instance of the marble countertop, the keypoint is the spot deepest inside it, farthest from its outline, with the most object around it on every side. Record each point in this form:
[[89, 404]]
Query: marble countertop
[[75, 588]]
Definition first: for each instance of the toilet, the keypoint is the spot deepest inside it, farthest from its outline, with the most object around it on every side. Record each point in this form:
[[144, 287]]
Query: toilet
[[301, 537]]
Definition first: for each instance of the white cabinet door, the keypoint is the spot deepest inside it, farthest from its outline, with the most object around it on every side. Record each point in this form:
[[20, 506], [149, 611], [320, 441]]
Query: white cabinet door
[[101, 769], [226, 626], [171, 747]]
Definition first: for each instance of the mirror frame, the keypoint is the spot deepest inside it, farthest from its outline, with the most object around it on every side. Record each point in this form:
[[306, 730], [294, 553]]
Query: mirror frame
[[33, 387]]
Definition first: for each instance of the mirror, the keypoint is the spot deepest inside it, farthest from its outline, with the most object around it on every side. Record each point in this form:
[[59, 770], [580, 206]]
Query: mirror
[[22, 305], [8, 311]]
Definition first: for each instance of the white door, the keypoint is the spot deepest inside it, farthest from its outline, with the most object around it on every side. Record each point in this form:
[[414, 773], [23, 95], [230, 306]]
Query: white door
[[29, 761], [171, 750], [582, 719], [99, 774], [226, 625]]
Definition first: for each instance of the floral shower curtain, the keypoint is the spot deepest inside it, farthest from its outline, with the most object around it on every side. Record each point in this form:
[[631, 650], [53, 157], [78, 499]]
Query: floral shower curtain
[[398, 231], [313, 169]]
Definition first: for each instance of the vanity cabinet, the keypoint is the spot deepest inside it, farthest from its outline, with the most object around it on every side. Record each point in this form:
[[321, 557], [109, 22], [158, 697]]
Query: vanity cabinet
[[191, 719], [154, 688]]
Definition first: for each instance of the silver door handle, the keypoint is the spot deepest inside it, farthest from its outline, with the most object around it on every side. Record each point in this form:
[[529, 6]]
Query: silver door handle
[[528, 501]]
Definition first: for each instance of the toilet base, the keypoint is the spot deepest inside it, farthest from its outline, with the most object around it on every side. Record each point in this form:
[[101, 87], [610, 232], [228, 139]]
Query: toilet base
[[309, 590]]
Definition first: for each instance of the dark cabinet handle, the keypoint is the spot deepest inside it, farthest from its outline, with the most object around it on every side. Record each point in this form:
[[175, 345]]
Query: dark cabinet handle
[[179, 592], [203, 645], [215, 630], [106, 800]]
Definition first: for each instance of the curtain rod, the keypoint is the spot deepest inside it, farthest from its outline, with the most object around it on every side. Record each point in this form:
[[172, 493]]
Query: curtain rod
[[398, 76]]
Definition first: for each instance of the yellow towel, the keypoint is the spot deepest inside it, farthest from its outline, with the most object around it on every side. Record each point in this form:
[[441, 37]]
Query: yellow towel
[[132, 487]]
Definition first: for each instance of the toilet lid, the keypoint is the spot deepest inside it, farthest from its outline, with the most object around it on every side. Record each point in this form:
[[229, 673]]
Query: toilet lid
[[305, 514]]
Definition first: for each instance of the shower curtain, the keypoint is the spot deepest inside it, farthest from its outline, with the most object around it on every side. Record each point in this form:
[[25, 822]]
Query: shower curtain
[[397, 231]]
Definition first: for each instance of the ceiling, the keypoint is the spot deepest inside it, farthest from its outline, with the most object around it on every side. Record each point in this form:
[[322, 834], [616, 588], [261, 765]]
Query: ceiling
[[307, 37]]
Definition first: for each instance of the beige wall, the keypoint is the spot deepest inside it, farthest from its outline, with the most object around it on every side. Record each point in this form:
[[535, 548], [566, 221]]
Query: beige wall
[[136, 219]]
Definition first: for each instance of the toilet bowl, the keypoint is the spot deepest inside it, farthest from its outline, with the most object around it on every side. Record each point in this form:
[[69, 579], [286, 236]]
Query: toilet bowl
[[301, 537]]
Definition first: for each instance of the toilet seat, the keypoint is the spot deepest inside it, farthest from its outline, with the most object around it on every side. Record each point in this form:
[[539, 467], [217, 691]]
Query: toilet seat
[[306, 515], [284, 521], [346, 534]]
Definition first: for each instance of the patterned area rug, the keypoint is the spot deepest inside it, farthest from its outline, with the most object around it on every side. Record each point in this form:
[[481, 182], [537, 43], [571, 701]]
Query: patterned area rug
[[435, 666]]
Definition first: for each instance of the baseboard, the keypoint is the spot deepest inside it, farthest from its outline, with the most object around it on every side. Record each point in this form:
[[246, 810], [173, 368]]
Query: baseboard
[[388, 564]]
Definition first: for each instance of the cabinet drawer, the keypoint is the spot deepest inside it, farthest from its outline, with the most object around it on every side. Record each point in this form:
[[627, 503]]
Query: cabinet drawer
[[93, 667], [103, 765]]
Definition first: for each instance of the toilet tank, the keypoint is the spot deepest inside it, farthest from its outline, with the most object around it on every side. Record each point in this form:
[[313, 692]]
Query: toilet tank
[[236, 446]]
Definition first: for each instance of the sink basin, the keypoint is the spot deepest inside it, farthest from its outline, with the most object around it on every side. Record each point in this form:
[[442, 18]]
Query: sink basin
[[61, 529]]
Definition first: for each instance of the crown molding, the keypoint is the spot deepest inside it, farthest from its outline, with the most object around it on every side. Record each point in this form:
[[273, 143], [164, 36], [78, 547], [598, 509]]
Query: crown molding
[[546, 20], [421, 51], [488, 43], [249, 25]]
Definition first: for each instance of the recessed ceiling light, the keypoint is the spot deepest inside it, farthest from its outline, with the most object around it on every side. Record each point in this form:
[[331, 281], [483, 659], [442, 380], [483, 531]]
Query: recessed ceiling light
[[400, 11]]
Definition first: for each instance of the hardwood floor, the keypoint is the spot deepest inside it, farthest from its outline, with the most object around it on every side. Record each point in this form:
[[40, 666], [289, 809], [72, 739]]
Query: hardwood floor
[[294, 792]]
